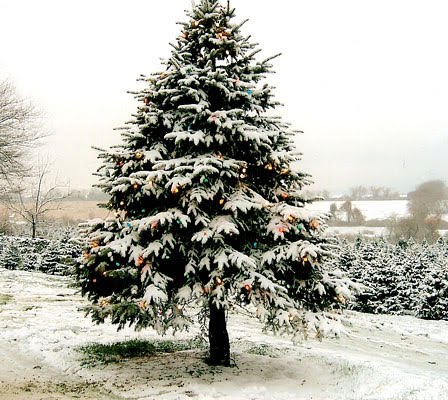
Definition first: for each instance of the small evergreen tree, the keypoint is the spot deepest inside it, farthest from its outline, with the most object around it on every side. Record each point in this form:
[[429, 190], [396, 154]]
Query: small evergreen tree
[[10, 256], [434, 296], [206, 202]]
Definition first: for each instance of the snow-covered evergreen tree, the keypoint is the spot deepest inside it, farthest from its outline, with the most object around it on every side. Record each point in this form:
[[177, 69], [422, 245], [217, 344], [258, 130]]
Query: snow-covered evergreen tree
[[433, 296], [379, 273], [206, 200], [403, 278], [58, 257], [10, 253]]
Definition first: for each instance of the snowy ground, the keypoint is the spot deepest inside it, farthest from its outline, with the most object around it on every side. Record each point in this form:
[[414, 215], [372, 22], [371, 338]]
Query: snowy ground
[[384, 357]]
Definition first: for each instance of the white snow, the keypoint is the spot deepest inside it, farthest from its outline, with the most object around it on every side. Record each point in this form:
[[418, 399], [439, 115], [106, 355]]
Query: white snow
[[371, 209], [369, 231], [383, 357]]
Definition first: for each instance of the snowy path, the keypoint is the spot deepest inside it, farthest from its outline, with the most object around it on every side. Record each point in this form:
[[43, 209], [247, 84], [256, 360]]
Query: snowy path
[[384, 357]]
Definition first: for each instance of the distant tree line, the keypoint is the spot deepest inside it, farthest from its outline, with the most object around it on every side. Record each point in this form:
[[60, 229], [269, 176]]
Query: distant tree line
[[357, 193], [92, 194], [372, 193]]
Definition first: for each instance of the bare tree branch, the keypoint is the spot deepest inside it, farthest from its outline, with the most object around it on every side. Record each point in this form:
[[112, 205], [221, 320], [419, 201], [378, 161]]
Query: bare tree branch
[[33, 199], [20, 130]]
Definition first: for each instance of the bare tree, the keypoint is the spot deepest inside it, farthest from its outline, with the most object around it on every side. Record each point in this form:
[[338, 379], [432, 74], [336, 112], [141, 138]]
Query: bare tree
[[353, 214], [20, 129], [426, 204], [357, 193], [347, 207], [334, 211], [427, 200], [35, 197]]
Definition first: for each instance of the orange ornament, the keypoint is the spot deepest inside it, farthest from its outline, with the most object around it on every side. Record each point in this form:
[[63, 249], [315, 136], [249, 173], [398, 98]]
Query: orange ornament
[[315, 224], [143, 305], [282, 229]]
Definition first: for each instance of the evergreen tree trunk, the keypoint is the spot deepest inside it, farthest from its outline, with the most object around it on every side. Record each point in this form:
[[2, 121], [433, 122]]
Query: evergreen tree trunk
[[218, 336]]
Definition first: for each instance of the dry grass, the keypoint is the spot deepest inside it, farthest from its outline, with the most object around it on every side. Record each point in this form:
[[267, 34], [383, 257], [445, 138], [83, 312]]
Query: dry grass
[[72, 212], [78, 211]]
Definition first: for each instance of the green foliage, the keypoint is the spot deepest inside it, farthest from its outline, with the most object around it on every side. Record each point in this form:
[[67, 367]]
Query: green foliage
[[97, 353]]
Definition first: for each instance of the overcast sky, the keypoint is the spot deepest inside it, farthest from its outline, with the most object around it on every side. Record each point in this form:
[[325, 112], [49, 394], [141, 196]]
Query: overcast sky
[[367, 81]]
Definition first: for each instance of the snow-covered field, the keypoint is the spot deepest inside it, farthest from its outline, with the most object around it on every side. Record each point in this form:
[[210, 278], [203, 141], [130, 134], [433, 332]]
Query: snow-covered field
[[383, 357], [371, 209], [367, 231]]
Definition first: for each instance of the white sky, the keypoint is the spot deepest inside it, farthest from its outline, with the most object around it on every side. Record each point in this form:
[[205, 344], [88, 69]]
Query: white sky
[[367, 81]]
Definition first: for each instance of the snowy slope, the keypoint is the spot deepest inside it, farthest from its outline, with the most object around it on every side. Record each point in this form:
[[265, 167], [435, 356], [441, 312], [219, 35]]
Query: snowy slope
[[383, 357]]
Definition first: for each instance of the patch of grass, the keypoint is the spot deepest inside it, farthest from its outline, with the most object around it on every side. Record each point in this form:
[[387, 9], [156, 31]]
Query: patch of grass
[[5, 298], [261, 350], [96, 353]]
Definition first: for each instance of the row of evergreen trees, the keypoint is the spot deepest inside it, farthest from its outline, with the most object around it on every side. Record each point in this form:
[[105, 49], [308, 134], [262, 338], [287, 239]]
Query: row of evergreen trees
[[42, 255], [403, 278]]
